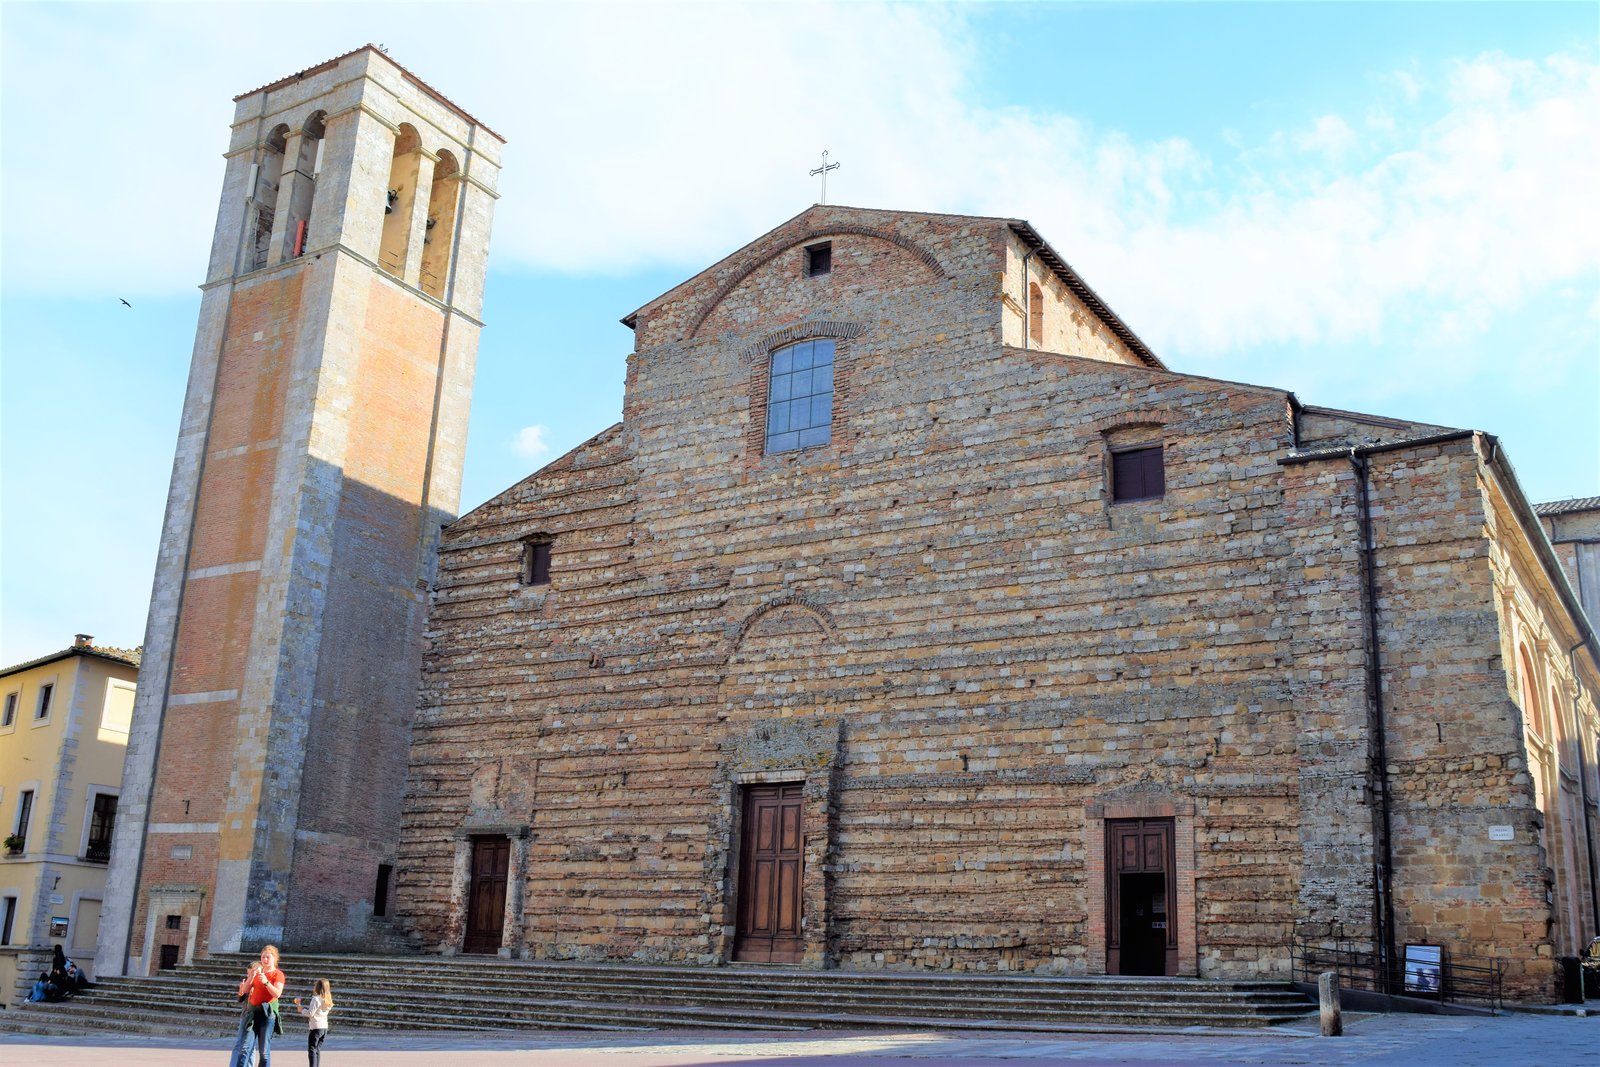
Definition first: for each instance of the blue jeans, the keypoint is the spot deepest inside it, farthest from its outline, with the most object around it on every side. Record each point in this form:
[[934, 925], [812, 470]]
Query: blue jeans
[[255, 1033]]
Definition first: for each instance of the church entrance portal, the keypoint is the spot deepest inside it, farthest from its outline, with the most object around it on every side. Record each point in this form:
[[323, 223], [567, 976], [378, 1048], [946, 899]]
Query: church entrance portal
[[486, 894], [770, 867], [1141, 885]]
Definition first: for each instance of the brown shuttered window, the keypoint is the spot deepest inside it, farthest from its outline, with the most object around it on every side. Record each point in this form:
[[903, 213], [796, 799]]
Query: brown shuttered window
[[819, 259], [1137, 474], [536, 561]]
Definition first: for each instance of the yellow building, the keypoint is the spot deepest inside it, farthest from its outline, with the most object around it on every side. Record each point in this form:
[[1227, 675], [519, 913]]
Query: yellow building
[[64, 722]]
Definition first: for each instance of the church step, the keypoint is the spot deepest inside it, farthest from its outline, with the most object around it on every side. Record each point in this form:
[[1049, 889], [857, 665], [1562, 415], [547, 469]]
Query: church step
[[476, 993], [481, 970], [905, 1003], [442, 1004]]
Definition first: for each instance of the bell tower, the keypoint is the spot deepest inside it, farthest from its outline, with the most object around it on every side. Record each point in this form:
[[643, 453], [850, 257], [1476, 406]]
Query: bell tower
[[319, 452]]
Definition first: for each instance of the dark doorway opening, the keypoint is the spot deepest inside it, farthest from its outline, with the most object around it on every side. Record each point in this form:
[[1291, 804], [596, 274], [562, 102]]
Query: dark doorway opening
[[1144, 925], [486, 894], [169, 957], [771, 867], [1141, 893]]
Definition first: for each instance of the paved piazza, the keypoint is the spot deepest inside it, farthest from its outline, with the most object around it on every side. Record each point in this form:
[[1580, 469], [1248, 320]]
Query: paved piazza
[[1395, 1041]]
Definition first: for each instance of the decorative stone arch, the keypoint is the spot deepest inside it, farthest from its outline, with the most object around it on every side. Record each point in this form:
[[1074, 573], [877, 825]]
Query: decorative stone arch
[[1141, 801], [800, 331], [1135, 419], [789, 601], [921, 254]]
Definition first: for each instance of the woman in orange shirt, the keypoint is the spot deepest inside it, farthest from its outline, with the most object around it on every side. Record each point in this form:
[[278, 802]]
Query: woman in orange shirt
[[262, 985]]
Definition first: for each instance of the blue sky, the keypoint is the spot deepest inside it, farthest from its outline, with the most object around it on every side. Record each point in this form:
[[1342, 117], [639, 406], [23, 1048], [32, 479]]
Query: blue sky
[[1384, 207]]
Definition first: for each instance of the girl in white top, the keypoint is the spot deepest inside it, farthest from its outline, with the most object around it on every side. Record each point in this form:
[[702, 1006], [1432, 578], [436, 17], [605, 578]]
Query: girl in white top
[[317, 1018]]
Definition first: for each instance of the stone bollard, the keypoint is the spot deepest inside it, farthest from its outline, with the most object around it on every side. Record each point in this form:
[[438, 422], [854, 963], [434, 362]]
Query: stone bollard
[[1328, 996]]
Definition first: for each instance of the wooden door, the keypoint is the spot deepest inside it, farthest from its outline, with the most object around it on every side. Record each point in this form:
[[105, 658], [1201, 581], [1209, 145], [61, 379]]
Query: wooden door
[[486, 894], [771, 866], [1141, 898]]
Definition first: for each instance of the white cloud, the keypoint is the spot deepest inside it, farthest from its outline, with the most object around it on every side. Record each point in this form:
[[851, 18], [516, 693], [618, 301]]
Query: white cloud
[[530, 443], [637, 138], [1329, 135]]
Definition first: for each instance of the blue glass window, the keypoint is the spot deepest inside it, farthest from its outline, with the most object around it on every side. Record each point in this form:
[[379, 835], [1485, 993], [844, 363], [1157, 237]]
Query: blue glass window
[[800, 396]]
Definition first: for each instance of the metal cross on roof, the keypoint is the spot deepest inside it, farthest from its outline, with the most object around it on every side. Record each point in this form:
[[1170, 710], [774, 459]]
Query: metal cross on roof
[[823, 170]]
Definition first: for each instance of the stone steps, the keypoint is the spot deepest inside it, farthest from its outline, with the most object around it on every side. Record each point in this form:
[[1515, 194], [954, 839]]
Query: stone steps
[[477, 993]]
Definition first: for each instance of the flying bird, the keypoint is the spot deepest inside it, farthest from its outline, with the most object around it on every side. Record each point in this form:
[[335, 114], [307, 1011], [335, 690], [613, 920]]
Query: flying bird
[[125, 303]]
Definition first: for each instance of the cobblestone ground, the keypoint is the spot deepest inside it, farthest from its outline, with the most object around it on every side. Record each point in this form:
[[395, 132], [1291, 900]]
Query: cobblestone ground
[[1388, 1041]]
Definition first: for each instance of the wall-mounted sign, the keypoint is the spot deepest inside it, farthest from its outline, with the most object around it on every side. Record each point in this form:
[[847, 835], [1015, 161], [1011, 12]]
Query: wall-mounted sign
[[57, 898], [1502, 833], [58, 926], [1423, 966]]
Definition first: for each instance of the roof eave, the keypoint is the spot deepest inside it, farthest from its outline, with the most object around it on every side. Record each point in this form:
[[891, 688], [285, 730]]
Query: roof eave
[[1080, 288]]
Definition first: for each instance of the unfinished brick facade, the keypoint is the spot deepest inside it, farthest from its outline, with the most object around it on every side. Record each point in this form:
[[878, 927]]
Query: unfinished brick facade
[[319, 452], [973, 661]]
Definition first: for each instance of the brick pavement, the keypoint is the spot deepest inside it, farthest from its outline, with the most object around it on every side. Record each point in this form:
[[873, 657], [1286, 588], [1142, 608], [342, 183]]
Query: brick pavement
[[1385, 1041]]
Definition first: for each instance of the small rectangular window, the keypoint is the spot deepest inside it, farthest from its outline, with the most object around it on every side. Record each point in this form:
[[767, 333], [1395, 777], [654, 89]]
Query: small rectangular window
[[536, 561], [174, 922], [1138, 474], [819, 259], [9, 919], [380, 892], [45, 692], [10, 715]]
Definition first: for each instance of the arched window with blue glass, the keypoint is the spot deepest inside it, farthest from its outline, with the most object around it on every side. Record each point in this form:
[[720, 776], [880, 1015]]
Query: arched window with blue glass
[[800, 396]]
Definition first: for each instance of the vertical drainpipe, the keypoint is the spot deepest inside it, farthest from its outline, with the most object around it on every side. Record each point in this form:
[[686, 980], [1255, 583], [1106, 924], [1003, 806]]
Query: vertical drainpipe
[[1384, 882]]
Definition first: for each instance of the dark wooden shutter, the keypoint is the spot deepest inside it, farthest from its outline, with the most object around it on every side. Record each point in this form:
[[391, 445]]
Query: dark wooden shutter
[[536, 562], [1138, 474]]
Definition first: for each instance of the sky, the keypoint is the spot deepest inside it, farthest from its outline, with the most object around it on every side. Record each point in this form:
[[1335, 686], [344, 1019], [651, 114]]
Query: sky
[[1389, 208]]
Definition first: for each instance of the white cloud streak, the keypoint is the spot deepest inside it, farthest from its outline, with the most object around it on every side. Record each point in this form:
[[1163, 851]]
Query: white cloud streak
[[638, 137], [530, 443]]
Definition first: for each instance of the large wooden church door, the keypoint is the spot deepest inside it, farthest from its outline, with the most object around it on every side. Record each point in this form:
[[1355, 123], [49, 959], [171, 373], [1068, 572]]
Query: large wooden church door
[[771, 863], [1141, 894], [486, 894]]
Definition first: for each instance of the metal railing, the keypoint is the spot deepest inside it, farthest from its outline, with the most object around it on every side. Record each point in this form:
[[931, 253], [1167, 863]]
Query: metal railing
[[1453, 978]]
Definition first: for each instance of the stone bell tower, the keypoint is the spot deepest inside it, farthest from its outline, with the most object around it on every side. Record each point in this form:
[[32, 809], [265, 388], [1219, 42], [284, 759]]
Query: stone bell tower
[[319, 452]]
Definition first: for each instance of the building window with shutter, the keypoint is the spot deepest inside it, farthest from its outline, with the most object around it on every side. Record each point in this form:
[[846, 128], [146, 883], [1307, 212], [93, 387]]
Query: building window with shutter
[[46, 692], [18, 841], [800, 396], [102, 821], [819, 259], [536, 560], [1137, 473], [9, 716]]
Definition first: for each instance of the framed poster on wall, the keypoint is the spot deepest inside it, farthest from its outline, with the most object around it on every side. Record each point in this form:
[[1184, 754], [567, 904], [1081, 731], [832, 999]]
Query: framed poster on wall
[[1424, 967]]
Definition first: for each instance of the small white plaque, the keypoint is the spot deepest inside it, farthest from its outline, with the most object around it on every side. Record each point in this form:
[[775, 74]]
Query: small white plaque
[[57, 898], [1502, 833]]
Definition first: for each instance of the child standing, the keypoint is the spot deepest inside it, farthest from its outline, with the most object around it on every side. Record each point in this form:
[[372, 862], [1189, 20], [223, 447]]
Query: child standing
[[316, 1018]]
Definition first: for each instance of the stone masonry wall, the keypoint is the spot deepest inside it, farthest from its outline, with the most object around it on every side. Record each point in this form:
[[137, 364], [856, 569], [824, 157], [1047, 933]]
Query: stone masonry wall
[[941, 624]]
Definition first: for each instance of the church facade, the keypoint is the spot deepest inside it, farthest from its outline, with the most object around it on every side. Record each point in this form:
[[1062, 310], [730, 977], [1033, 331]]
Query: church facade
[[916, 615]]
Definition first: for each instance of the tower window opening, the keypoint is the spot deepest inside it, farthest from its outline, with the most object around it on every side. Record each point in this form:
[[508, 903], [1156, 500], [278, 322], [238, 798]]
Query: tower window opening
[[298, 194], [399, 205], [441, 209], [268, 172]]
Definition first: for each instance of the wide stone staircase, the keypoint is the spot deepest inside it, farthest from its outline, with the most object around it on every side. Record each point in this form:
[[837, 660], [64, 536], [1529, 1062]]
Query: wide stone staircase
[[433, 993]]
